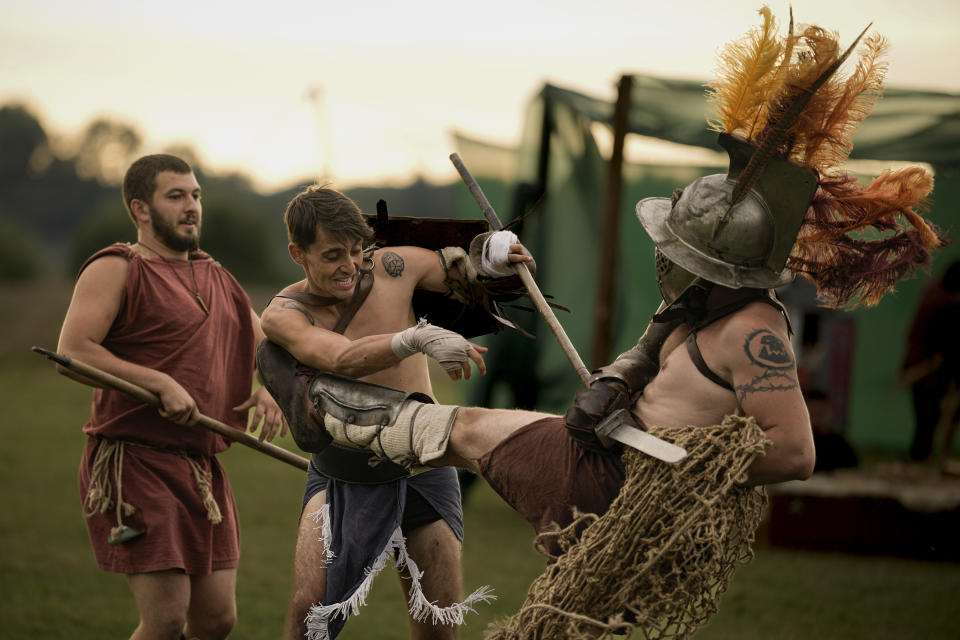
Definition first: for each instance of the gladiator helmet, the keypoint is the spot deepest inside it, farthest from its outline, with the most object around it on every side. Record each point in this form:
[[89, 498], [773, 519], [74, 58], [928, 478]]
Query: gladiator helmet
[[785, 205], [706, 233]]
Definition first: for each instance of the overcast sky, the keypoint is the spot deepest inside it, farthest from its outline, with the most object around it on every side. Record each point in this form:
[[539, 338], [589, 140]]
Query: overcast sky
[[371, 91]]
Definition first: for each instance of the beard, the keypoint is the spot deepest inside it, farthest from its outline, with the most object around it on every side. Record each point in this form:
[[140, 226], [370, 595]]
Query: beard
[[167, 233]]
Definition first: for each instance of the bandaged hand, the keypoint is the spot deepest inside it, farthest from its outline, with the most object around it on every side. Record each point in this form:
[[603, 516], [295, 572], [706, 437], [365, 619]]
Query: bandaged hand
[[448, 348], [591, 406], [501, 250]]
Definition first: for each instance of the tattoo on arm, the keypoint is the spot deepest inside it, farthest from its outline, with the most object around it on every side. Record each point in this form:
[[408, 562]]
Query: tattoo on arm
[[290, 304], [392, 264], [768, 352]]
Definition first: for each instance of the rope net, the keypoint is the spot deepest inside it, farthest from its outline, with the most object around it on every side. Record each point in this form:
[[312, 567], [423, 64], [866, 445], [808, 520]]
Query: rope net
[[656, 563]]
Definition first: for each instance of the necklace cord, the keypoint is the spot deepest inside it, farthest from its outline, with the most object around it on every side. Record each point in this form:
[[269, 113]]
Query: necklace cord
[[193, 274]]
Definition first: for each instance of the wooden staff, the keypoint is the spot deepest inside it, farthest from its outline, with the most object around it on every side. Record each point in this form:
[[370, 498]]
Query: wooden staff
[[616, 426], [532, 289], [119, 384]]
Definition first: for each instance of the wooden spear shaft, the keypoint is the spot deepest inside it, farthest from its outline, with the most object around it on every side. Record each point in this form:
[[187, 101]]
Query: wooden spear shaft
[[119, 384], [525, 276]]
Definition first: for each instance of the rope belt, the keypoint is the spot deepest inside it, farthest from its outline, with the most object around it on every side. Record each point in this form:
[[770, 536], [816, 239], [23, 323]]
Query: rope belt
[[107, 470]]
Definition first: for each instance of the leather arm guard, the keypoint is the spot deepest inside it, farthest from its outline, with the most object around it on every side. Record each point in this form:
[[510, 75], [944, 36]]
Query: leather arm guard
[[467, 282], [288, 381], [470, 304], [614, 386], [611, 388]]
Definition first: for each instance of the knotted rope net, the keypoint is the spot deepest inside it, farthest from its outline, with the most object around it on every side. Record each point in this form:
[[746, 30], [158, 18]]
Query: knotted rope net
[[656, 563]]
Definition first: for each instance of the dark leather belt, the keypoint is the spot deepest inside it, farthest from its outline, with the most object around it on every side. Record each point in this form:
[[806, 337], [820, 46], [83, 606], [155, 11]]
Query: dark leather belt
[[354, 465]]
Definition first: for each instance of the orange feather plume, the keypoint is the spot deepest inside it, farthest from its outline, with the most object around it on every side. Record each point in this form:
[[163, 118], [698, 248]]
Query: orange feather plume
[[746, 75], [829, 133], [785, 95], [857, 242]]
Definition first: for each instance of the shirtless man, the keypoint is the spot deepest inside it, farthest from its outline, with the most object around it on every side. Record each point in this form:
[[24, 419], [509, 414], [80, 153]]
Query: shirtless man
[[352, 315]]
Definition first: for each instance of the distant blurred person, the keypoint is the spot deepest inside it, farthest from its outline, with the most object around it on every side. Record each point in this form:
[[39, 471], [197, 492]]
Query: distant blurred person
[[167, 317], [832, 448], [932, 361]]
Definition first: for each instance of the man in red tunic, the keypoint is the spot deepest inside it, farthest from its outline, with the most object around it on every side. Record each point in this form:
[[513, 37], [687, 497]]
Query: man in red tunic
[[163, 315]]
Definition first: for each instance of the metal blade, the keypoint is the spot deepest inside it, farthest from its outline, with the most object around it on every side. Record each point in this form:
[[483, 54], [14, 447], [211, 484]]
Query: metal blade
[[619, 426]]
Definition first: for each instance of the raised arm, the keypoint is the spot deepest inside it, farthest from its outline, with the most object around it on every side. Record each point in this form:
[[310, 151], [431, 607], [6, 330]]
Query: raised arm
[[292, 325], [289, 324], [764, 372], [92, 311], [491, 255]]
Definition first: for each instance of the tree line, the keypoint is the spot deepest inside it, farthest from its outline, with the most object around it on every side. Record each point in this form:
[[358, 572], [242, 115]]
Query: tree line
[[60, 202]]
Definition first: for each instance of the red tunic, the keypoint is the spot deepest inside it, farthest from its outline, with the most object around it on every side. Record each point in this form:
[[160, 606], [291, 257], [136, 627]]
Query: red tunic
[[161, 325]]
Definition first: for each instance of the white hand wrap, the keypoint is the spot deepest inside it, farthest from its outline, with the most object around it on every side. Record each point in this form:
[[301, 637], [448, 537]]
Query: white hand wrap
[[446, 347], [493, 259]]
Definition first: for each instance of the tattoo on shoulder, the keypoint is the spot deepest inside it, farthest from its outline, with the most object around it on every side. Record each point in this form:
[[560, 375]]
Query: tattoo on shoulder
[[290, 304], [768, 352], [392, 264]]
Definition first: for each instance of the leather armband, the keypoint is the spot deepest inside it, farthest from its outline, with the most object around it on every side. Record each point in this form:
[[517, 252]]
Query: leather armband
[[636, 367], [470, 306], [590, 407], [633, 368], [614, 386], [469, 286]]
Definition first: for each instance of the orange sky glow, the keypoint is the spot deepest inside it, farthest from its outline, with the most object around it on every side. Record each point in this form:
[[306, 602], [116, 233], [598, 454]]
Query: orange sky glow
[[364, 92]]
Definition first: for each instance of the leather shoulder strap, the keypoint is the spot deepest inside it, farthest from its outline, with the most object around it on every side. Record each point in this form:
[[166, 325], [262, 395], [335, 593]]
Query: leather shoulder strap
[[303, 298], [360, 293], [694, 350], [766, 297], [718, 313]]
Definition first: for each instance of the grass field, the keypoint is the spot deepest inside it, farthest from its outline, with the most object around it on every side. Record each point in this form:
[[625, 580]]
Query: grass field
[[52, 589]]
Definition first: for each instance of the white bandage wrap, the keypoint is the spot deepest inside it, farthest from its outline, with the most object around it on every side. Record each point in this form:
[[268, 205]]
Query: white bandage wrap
[[493, 259], [446, 347], [419, 434]]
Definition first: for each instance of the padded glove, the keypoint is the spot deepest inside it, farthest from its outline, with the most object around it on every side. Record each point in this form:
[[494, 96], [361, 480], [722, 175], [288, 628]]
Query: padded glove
[[591, 406]]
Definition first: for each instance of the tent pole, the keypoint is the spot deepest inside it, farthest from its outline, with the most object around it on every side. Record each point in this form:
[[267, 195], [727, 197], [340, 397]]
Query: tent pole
[[609, 245]]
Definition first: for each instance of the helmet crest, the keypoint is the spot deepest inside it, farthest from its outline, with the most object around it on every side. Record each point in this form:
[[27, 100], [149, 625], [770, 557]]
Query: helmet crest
[[786, 118]]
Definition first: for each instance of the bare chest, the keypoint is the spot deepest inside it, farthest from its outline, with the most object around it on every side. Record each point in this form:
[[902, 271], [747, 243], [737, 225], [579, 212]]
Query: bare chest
[[386, 309], [680, 394]]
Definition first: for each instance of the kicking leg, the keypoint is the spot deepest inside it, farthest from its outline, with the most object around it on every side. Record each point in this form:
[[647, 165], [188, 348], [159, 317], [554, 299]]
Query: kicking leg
[[403, 427], [427, 435], [476, 431]]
